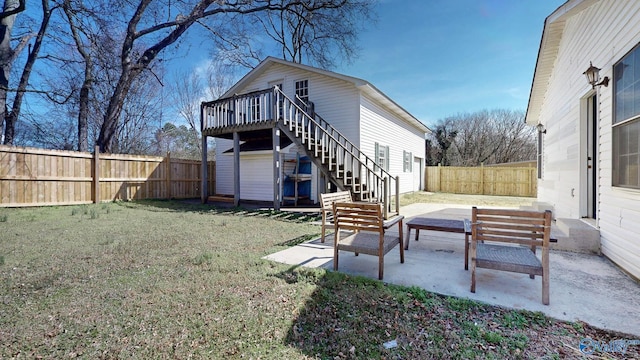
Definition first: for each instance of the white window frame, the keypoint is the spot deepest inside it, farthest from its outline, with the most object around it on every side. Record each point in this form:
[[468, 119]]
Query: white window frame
[[407, 161], [382, 156], [302, 90], [626, 121]]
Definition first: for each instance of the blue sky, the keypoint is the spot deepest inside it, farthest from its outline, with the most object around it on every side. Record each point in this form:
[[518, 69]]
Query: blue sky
[[438, 58]]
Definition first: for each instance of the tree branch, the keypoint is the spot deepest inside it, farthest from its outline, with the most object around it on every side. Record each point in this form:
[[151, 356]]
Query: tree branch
[[22, 5]]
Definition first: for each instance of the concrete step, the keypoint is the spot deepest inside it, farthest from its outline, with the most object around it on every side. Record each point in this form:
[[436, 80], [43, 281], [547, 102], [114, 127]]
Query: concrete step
[[538, 206], [575, 235]]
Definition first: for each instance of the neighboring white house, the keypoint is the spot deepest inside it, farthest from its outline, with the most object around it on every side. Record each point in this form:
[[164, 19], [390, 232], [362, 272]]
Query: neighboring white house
[[377, 125], [590, 135]]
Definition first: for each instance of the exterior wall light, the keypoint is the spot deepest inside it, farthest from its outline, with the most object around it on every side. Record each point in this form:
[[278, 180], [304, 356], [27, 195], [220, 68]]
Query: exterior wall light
[[593, 77], [541, 128]]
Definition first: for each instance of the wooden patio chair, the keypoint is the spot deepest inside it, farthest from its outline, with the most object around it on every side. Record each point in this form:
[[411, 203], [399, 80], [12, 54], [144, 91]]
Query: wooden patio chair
[[366, 221], [326, 202], [507, 240]]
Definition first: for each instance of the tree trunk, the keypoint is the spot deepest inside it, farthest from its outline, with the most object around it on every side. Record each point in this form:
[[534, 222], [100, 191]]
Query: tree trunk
[[114, 109], [83, 112], [6, 56], [12, 117], [131, 69]]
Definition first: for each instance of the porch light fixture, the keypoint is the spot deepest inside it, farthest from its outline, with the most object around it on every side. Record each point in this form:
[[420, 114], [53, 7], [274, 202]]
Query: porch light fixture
[[541, 128], [593, 77]]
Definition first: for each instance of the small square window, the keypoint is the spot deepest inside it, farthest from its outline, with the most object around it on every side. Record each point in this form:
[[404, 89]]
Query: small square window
[[407, 161], [382, 156], [302, 90]]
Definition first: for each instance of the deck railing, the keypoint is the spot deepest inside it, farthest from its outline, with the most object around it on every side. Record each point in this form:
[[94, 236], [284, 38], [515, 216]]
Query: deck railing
[[342, 160]]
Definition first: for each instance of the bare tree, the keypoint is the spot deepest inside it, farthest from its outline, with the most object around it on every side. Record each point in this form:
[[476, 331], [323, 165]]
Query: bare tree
[[305, 32], [8, 56], [161, 35], [186, 95], [483, 137], [444, 136], [84, 97], [10, 11], [141, 115], [220, 77], [116, 46], [318, 38]]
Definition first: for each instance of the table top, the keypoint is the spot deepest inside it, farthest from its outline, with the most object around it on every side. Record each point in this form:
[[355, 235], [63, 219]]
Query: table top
[[437, 224]]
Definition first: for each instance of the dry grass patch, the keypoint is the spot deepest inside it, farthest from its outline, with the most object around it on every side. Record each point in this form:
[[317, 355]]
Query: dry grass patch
[[476, 200]]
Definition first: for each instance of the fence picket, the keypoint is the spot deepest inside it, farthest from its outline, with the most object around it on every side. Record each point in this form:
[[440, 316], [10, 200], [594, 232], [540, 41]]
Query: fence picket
[[40, 177], [482, 180]]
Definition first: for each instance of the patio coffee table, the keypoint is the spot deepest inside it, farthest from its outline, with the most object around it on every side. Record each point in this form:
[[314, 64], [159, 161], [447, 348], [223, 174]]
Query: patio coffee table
[[445, 225]]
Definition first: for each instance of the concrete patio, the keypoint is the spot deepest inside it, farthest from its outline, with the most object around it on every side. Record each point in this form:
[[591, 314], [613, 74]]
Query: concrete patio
[[583, 287]]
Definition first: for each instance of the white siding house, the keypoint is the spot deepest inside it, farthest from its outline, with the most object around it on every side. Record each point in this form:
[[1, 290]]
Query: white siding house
[[359, 111], [590, 135]]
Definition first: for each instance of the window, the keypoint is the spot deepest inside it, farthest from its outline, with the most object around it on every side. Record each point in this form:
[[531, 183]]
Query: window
[[407, 161], [382, 156], [626, 121], [254, 104], [302, 90]]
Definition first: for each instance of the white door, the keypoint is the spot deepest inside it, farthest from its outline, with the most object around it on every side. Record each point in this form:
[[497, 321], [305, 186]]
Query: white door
[[417, 174], [589, 202]]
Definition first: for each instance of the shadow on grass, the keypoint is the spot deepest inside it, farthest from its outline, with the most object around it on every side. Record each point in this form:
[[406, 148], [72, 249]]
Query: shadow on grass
[[196, 206], [356, 317], [353, 317], [298, 240]]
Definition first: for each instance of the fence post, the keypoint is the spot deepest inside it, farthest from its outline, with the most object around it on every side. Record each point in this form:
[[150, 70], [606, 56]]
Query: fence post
[[439, 177], [96, 174], [482, 178], [168, 160]]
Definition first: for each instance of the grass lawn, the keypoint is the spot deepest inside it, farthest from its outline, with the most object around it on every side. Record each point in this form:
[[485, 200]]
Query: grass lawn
[[170, 280]]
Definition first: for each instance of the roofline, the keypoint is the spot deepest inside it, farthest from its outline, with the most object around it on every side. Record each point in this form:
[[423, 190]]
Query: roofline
[[361, 84], [552, 32]]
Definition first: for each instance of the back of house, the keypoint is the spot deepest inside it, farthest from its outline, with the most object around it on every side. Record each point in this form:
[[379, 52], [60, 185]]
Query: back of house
[[589, 132], [375, 125]]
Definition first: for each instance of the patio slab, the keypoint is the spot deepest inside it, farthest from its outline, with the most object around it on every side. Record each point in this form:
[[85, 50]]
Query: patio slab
[[582, 287]]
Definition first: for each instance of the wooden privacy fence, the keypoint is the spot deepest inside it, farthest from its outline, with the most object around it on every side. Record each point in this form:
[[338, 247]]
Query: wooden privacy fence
[[39, 177], [482, 180]]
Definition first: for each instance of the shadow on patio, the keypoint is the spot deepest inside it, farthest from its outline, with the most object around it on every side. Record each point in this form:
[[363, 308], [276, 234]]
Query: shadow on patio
[[583, 287]]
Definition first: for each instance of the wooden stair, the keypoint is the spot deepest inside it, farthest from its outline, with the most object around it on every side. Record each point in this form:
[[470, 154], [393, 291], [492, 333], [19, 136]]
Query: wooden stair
[[342, 163]]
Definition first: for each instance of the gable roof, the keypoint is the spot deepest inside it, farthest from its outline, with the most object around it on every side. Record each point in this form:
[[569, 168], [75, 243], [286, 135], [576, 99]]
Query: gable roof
[[552, 33], [360, 84]]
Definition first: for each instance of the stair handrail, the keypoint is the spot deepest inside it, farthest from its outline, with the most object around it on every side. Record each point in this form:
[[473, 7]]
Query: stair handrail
[[227, 112], [325, 124], [372, 169], [323, 121], [337, 140]]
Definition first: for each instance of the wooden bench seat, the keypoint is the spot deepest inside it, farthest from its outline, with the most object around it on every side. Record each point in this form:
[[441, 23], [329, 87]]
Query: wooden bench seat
[[506, 240], [508, 258]]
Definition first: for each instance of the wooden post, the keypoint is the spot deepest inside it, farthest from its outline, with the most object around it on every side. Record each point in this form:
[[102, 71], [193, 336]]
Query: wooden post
[[96, 174], [385, 196], [236, 169], [168, 177], [481, 178], [439, 177], [204, 184], [276, 168], [398, 199]]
